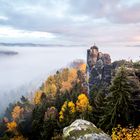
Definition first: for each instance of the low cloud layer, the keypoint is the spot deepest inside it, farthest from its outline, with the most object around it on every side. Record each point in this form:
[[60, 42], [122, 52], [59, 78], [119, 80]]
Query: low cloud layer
[[72, 21]]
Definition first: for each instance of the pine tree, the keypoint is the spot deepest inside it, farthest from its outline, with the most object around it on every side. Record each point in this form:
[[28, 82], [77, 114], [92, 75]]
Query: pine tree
[[97, 101], [118, 104]]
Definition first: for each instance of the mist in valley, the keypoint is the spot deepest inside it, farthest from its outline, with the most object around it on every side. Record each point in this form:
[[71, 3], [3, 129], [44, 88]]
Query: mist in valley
[[23, 73]]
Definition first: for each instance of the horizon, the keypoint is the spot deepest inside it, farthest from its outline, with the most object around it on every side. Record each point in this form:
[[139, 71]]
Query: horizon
[[30, 44]]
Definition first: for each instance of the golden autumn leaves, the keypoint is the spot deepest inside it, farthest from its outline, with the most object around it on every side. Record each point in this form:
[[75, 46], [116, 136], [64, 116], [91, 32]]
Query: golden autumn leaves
[[61, 82], [120, 133], [69, 108], [37, 98], [12, 126], [82, 103], [56, 86], [16, 114]]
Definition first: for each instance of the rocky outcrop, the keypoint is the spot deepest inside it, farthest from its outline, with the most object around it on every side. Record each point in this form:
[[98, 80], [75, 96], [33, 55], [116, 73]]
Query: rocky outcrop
[[83, 130], [98, 68]]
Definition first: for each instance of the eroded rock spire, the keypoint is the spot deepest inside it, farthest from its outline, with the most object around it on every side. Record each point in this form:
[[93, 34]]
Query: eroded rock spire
[[98, 68]]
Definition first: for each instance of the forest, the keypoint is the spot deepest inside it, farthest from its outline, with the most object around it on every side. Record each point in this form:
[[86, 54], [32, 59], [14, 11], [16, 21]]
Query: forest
[[64, 97]]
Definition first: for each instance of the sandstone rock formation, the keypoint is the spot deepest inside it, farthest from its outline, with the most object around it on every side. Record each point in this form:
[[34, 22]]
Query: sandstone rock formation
[[98, 68], [83, 130]]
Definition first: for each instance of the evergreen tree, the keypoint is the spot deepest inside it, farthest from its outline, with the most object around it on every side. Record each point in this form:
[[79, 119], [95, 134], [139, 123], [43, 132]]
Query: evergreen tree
[[38, 118], [118, 104], [97, 101]]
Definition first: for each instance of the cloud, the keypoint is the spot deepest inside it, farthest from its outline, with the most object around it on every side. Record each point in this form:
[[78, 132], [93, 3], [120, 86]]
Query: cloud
[[16, 35], [10, 32], [126, 14], [73, 20], [115, 11], [3, 18], [46, 15]]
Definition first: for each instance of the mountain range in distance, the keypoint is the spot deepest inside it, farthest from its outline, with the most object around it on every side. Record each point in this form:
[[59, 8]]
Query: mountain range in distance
[[37, 45], [8, 53], [47, 45]]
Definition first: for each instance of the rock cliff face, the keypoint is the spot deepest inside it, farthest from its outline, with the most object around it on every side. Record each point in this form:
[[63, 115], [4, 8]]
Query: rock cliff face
[[98, 68], [83, 130]]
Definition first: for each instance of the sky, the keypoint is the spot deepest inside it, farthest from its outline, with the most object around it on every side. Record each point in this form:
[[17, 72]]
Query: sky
[[70, 22]]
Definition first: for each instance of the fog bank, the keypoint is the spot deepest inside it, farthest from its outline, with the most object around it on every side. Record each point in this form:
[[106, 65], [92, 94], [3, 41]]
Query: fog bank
[[22, 73]]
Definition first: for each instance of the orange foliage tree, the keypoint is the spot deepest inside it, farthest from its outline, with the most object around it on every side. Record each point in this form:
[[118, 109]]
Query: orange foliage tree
[[17, 112], [67, 82], [12, 126], [83, 67]]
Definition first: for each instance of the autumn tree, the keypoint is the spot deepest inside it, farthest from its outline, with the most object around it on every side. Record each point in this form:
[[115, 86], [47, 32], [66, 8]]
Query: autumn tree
[[67, 83], [49, 86], [17, 112], [50, 89], [82, 68], [67, 113], [76, 64], [83, 107], [12, 126], [37, 97]]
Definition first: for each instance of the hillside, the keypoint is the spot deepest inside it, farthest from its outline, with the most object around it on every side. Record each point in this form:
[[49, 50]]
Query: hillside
[[103, 92]]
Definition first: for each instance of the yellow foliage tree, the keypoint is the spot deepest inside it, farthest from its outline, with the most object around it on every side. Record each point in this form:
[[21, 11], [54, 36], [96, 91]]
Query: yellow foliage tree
[[63, 80], [50, 89], [58, 80], [67, 111], [82, 104], [37, 97], [71, 107], [50, 80], [12, 126], [83, 107], [17, 112]]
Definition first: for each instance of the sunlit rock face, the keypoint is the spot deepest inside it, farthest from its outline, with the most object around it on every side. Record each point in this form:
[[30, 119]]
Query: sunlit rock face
[[83, 130], [98, 68]]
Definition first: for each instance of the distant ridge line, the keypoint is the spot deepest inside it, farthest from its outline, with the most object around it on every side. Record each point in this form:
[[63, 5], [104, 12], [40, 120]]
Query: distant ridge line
[[36, 45]]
